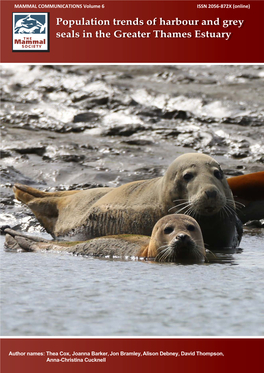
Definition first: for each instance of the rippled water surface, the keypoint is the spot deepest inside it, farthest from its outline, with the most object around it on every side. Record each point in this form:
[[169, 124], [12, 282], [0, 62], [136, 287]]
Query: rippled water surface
[[59, 294]]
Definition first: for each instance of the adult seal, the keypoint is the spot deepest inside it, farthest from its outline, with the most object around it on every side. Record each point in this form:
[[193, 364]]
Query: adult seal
[[194, 184], [175, 238]]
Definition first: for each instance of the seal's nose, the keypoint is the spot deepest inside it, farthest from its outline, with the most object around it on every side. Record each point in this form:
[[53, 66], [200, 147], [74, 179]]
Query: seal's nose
[[181, 236], [211, 193]]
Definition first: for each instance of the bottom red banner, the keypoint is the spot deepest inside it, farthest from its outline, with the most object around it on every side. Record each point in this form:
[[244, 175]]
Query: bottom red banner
[[127, 354]]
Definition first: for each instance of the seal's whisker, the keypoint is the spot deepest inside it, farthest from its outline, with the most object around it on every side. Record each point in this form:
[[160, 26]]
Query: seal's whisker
[[224, 212], [231, 203], [231, 210], [190, 211], [210, 252], [239, 205], [162, 254], [186, 207], [167, 253], [195, 214], [172, 255], [181, 199], [235, 209], [227, 211], [164, 246], [221, 214], [183, 208], [181, 204], [236, 202]]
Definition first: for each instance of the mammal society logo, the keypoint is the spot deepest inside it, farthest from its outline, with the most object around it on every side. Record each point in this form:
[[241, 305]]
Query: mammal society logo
[[30, 32]]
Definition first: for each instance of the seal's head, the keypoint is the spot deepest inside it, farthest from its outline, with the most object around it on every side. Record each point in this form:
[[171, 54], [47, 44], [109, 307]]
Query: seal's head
[[177, 238], [198, 187]]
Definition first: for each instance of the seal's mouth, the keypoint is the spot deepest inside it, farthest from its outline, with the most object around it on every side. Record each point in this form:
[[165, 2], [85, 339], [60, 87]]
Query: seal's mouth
[[222, 208], [209, 203], [209, 210], [200, 206], [181, 250]]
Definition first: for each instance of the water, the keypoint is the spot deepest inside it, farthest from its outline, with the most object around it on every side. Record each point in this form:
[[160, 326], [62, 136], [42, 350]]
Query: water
[[51, 294]]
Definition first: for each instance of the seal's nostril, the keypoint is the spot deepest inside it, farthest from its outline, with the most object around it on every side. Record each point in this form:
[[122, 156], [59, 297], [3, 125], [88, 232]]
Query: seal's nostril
[[181, 236], [211, 193]]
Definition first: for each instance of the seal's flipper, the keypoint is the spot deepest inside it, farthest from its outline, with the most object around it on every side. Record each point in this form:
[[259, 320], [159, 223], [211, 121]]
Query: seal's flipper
[[44, 205], [24, 243], [26, 194], [17, 241], [14, 233], [46, 211], [11, 243]]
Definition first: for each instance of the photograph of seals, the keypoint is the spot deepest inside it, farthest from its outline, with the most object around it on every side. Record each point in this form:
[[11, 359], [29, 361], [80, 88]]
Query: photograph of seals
[[69, 128], [174, 238], [194, 184]]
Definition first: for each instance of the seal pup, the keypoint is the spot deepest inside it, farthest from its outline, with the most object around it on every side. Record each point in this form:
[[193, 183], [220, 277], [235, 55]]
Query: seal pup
[[174, 238], [194, 184]]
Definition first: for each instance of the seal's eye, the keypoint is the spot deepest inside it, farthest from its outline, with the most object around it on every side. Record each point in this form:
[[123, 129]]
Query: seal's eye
[[218, 174], [168, 230], [188, 176], [190, 227]]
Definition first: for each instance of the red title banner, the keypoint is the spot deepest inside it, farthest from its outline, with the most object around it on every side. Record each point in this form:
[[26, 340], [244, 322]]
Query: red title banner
[[119, 355], [132, 32]]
